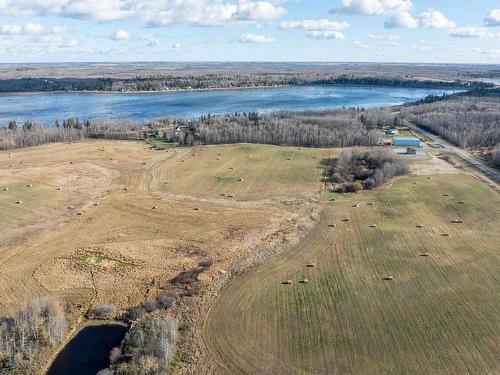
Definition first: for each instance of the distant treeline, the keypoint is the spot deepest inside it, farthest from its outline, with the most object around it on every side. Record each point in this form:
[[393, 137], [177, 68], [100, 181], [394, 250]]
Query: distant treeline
[[31, 134], [221, 80], [334, 128], [466, 120]]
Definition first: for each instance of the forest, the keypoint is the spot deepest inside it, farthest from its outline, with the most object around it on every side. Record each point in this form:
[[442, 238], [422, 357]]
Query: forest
[[333, 128], [467, 121], [220, 80]]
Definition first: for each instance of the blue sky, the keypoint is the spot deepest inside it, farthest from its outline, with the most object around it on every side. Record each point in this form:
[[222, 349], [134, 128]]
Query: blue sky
[[444, 31]]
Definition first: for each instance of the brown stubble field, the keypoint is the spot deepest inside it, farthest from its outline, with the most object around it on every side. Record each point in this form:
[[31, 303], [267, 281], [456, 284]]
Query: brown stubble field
[[116, 232]]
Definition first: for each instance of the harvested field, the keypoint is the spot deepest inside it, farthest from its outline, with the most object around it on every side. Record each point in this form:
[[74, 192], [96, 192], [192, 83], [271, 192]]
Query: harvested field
[[439, 313], [97, 238], [247, 171]]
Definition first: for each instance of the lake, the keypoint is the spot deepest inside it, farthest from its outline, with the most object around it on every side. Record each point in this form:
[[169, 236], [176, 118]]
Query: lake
[[45, 108], [88, 352]]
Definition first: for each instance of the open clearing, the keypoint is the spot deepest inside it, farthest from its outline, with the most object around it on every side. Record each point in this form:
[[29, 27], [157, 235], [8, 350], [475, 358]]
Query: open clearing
[[439, 314], [96, 223]]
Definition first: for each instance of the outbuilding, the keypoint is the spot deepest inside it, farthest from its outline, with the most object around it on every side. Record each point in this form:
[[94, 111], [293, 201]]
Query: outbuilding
[[406, 141], [391, 131]]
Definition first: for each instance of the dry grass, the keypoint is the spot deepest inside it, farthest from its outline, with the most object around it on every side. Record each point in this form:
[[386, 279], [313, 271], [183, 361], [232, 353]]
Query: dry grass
[[439, 314]]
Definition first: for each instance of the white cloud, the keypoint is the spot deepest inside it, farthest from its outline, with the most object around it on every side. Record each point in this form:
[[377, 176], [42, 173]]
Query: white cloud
[[435, 20], [401, 20], [321, 24], [151, 40], [121, 35], [470, 32], [358, 44], [326, 35], [258, 11], [253, 38], [429, 19], [153, 12], [30, 29], [493, 18], [373, 7]]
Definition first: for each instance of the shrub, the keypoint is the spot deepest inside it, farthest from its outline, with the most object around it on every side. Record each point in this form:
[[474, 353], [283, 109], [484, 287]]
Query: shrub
[[105, 311]]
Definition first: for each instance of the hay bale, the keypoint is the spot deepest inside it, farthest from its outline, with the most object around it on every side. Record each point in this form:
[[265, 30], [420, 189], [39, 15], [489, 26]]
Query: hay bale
[[71, 207], [196, 209], [217, 159], [223, 195], [332, 199], [96, 204], [332, 225], [373, 225], [219, 154], [144, 163], [355, 205], [287, 282], [166, 182], [415, 183], [79, 213], [460, 202], [304, 281], [457, 221], [446, 194], [5, 189], [183, 161], [154, 207], [19, 202], [346, 219], [29, 185], [388, 278], [125, 188], [288, 159], [424, 254], [370, 204], [445, 234], [420, 226], [240, 179], [311, 265], [59, 188], [429, 178], [231, 195]]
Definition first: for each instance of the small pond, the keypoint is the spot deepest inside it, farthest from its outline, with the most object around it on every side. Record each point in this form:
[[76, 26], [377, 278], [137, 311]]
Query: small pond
[[88, 352]]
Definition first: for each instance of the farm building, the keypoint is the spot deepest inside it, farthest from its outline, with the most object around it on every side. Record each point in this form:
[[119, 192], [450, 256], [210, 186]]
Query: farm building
[[391, 131], [406, 141]]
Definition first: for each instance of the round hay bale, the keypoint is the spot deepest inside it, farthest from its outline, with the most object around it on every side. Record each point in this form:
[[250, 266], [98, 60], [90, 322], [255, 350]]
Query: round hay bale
[[370, 204], [59, 188], [373, 226], [355, 205], [79, 213], [217, 159], [311, 265], [346, 219], [219, 154], [5, 189], [223, 195], [446, 194], [415, 183], [424, 254], [388, 278], [196, 209], [429, 178], [288, 159], [71, 207], [154, 207], [166, 182], [332, 225], [457, 221], [240, 179], [125, 188], [445, 234], [332, 199], [96, 204], [461, 202], [19, 202], [144, 163], [29, 185], [287, 282], [420, 226], [231, 195], [183, 161], [304, 281]]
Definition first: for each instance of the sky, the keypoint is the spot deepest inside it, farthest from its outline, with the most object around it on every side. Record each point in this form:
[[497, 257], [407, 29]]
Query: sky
[[425, 31]]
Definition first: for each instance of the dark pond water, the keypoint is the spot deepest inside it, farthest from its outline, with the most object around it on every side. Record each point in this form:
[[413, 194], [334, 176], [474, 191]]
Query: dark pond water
[[88, 351], [47, 107]]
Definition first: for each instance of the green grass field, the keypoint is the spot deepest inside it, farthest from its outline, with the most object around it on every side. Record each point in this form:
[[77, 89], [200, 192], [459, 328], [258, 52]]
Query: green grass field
[[439, 315], [266, 171]]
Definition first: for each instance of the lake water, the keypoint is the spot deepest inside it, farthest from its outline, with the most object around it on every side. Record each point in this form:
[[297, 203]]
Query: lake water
[[47, 107], [88, 352]]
